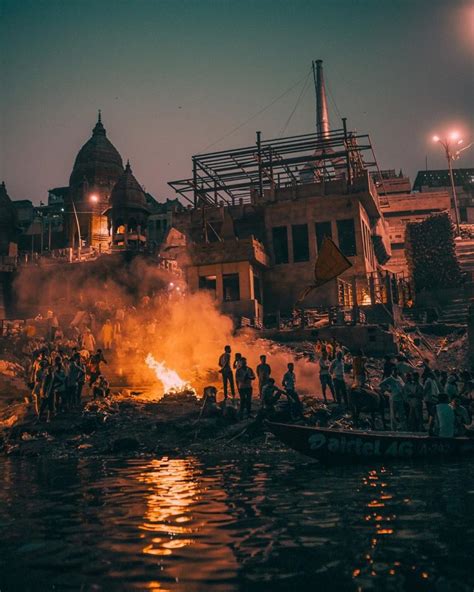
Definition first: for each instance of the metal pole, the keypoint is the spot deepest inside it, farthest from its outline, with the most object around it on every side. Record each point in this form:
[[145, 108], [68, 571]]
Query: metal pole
[[78, 230], [453, 189], [260, 174], [42, 235], [195, 183], [348, 160]]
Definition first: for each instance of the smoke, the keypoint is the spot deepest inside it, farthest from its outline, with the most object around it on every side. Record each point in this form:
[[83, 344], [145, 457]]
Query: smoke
[[151, 312]]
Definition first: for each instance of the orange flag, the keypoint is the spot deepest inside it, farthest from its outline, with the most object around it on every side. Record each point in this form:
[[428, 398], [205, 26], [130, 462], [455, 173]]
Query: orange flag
[[329, 265]]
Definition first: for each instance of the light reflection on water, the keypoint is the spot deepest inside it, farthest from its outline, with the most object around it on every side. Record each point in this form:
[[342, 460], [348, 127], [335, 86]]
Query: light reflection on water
[[186, 525], [174, 489]]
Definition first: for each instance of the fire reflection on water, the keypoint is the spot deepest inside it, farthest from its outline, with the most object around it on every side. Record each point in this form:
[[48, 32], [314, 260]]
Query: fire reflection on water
[[174, 488]]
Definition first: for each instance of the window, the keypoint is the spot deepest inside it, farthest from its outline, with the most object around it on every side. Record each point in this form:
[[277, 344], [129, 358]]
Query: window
[[280, 244], [463, 214], [347, 238], [322, 229], [231, 286], [208, 282], [299, 234], [257, 289]]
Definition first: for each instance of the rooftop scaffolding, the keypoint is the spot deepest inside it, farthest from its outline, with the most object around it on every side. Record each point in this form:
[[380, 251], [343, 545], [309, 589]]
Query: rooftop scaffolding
[[239, 175]]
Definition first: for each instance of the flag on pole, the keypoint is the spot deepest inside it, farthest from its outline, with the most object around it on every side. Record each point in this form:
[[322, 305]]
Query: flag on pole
[[331, 262]]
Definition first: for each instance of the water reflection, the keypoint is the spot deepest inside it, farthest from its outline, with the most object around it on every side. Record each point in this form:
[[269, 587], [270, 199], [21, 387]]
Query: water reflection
[[245, 525], [174, 489]]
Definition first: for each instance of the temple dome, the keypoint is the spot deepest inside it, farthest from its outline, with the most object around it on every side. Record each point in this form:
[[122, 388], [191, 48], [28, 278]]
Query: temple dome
[[98, 161], [127, 192]]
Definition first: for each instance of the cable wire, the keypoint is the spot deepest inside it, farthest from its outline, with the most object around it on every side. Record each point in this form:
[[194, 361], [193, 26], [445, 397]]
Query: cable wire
[[300, 96], [232, 131]]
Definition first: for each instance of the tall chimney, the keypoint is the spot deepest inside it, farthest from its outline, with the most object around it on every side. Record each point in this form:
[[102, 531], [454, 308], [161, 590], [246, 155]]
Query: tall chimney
[[322, 115]]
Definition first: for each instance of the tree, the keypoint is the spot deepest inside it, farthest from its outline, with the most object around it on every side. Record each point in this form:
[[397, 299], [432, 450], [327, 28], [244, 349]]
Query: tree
[[431, 253]]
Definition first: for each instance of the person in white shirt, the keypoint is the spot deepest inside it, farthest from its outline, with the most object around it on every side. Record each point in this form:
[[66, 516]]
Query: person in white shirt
[[395, 386]]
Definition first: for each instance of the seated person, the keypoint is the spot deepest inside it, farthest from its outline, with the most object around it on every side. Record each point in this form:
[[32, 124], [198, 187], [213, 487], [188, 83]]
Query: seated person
[[100, 388]]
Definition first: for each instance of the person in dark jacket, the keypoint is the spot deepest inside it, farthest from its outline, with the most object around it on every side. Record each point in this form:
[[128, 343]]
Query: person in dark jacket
[[244, 377]]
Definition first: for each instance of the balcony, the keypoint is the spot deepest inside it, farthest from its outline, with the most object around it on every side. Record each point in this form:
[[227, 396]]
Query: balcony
[[229, 251]]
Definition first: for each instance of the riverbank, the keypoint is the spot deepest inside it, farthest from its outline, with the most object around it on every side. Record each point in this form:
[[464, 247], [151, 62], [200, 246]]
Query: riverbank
[[122, 424]]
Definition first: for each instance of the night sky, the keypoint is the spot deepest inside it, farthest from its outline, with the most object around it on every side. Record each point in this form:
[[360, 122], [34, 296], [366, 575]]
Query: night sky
[[173, 77]]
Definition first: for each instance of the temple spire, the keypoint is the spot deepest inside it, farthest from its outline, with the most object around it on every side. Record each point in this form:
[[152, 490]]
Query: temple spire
[[99, 128]]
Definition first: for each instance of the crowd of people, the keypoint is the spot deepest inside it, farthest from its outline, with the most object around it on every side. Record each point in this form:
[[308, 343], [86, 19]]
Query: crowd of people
[[420, 399], [245, 376], [419, 392], [57, 379], [66, 361]]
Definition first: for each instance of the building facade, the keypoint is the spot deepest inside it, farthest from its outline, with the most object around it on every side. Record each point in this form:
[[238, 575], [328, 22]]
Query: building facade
[[430, 181], [257, 223]]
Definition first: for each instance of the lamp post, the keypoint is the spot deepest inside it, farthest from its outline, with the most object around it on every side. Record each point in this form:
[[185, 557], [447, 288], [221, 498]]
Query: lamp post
[[78, 229], [93, 198], [449, 145]]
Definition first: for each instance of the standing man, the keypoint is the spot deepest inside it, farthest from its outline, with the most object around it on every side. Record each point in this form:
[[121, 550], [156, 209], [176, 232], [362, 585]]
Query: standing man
[[263, 373], [396, 387], [289, 384], [75, 380], [414, 397], [359, 370], [244, 376], [226, 371], [325, 376], [88, 340], [107, 334], [337, 372]]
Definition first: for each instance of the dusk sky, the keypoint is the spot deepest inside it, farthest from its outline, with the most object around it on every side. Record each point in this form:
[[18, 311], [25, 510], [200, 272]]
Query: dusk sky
[[173, 77]]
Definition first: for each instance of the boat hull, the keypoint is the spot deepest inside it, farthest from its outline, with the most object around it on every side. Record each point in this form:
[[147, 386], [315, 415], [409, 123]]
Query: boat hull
[[354, 445]]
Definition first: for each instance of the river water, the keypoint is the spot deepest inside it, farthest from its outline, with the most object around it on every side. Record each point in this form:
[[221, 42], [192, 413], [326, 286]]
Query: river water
[[277, 523]]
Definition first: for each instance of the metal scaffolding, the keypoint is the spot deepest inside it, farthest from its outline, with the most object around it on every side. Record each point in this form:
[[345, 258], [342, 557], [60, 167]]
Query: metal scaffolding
[[238, 175]]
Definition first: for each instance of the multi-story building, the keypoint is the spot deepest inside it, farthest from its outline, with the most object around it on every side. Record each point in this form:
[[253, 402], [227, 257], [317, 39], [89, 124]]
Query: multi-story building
[[430, 181], [402, 209], [260, 214]]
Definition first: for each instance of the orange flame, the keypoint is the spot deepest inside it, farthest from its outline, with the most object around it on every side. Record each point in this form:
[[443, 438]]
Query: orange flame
[[171, 380]]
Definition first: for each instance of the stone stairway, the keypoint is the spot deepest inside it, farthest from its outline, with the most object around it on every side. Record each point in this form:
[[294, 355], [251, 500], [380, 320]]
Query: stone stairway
[[455, 312], [465, 253]]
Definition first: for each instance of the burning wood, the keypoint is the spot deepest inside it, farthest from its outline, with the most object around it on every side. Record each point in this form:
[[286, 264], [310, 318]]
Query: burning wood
[[170, 379]]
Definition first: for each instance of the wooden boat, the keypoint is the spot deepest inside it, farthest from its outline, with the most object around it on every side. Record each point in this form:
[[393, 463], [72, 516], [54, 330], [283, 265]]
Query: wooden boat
[[329, 445]]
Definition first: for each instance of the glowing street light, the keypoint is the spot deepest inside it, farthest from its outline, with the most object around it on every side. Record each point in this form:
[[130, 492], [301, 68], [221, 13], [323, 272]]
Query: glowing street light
[[449, 146], [94, 198]]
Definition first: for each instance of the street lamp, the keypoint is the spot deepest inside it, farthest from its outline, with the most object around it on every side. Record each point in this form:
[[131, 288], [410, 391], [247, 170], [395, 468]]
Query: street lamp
[[78, 229], [450, 144], [93, 198]]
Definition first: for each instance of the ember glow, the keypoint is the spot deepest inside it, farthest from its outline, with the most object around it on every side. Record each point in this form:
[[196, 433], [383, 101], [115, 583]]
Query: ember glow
[[172, 382]]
